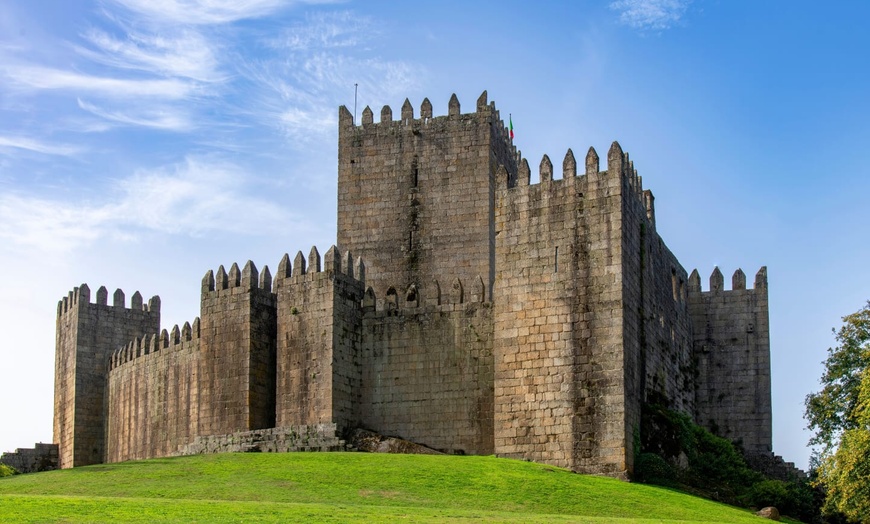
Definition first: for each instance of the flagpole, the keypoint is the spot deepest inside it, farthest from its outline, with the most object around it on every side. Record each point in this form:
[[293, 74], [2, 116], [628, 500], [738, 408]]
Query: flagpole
[[354, 102], [511, 128]]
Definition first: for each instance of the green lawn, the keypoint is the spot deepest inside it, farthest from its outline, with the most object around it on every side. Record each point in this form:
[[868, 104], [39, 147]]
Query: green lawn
[[343, 487]]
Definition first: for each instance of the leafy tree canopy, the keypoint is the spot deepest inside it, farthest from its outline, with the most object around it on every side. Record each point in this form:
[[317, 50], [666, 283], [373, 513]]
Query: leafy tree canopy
[[840, 416], [846, 473], [835, 408]]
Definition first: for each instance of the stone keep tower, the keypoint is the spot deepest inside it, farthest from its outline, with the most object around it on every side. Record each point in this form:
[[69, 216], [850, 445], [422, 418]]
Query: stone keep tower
[[87, 335], [416, 197]]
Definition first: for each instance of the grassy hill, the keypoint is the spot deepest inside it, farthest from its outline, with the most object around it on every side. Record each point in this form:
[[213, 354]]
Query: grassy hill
[[343, 487]]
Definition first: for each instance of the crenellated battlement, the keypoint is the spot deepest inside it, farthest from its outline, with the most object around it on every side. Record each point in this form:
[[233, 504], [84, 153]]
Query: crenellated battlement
[[166, 341], [618, 162], [407, 119], [717, 281], [246, 279], [81, 297], [332, 264]]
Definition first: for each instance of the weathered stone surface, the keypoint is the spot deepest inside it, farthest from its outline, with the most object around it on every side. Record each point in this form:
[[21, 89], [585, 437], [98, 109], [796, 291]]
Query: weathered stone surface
[[732, 362], [774, 466], [769, 513], [317, 437], [87, 335], [41, 457], [371, 442], [464, 308]]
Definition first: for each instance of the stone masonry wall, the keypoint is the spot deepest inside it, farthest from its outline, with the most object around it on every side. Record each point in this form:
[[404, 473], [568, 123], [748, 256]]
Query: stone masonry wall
[[237, 351], [415, 195], [427, 369], [153, 395], [318, 437], [657, 328], [559, 394], [87, 334], [41, 457], [318, 326], [732, 355]]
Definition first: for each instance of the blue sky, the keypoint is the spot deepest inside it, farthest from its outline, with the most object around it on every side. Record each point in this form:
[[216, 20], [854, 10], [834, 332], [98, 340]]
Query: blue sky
[[143, 142]]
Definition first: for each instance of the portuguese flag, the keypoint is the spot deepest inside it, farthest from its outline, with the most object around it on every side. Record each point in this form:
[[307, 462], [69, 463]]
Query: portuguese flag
[[511, 120]]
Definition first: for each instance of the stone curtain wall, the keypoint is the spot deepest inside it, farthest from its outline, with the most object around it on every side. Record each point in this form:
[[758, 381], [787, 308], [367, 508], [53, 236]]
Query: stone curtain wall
[[154, 395], [732, 352], [666, 339], [318, 315], [41, 457], [427, 371], [317, 437], [87, 335], [415, 195]]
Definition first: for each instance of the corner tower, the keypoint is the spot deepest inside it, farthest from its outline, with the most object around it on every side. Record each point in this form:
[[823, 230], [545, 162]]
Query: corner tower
[[732, 355], [416, 195], [87, 335]]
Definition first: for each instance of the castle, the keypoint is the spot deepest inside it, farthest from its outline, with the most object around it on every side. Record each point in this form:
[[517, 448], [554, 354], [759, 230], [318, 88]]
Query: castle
[[467, 310]]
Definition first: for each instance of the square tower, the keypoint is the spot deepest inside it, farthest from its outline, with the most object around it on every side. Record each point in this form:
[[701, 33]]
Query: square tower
[[416, 195], [87, 334]]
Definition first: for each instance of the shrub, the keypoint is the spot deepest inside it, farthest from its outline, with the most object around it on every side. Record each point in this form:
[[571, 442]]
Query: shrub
[[7, 471], [769, 493], [652, 469], [712, 466]]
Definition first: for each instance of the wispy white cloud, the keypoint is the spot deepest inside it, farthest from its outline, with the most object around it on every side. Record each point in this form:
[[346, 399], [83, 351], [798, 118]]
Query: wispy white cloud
[[37, 77], [200, 194], [51, 226], [298, 96], [187, 54], [30, 144], [316, 65], [169, 118], [196, 12], [650, 14], [189, 198], [326, 31]]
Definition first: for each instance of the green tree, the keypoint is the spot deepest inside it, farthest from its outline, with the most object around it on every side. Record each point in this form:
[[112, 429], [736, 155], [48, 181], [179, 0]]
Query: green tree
[[833, 410], [840, 417], [845, 474]]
